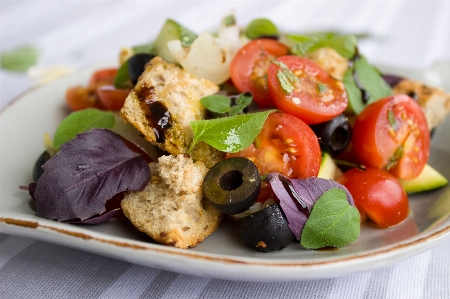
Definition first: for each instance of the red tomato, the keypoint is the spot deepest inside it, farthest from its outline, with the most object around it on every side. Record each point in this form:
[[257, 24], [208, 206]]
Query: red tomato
[[80, 97], [111, 97], [377, 194], [249, 68], [392, 134], [103, 77], [285, 145], [99, 93], [316, 96]]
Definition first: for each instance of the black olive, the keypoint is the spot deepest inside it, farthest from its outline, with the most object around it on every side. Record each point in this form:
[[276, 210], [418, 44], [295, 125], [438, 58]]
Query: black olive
[[334, 135], [136, 65], [37, 169], [232, 185], [266, 230]]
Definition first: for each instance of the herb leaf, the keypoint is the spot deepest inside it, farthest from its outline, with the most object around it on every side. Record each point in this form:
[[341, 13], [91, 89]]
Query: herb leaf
[[86, 172], [260, 27], [298, 197], [122, 76], [333, 222], [216, 103], [370, 79], [229, 134], [286, 77], [19, 59], [345, 45], [81, 121]]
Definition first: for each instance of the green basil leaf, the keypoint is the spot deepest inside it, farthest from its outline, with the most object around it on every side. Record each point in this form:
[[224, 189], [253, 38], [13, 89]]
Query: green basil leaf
[[229, 134], [354, 94], [81, 121], [333, 222], [371, 79], [216, 103], [260, 27], [236, 109], [345, 45], [19, 59], [122, 78], [244, 98]]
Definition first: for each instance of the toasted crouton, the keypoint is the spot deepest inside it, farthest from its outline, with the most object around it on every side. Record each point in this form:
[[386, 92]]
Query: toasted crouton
[[435, 102], [331, 61], [164, 101], [171, 209]]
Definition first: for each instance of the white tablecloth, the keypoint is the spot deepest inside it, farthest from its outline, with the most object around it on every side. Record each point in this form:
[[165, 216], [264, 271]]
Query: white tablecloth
[[411, 34]]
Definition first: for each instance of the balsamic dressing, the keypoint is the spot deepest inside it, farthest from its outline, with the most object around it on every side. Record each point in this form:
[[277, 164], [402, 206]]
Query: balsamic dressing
[[156, 113]]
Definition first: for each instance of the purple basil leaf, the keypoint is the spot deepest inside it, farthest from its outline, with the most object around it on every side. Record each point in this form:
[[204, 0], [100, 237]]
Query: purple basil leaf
[[392, 80], [86, 172], [298, 196], [96, 219]]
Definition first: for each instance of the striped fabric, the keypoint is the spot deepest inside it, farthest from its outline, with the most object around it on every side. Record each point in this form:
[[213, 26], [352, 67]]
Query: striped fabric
[[73, 34]]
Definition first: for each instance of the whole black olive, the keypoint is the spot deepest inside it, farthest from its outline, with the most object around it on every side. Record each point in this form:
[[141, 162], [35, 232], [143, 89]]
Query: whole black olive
[[37, 169], [232, 185], [136, 65], [334, 135], [266, 230]]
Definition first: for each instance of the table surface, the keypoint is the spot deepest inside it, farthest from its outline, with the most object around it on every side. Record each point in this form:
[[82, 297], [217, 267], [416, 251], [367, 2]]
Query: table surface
[[405, 34]]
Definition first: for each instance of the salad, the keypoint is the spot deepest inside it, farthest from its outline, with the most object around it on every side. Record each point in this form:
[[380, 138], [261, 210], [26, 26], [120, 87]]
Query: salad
[[296, 137]]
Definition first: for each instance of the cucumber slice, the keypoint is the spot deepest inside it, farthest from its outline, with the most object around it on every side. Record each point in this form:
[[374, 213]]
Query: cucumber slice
[[428, 179], [171, 30], [328, 168]]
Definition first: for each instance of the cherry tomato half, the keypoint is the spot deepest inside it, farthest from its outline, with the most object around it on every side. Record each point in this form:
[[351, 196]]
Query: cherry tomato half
[[315, 97], [392, 134], [112, 98], [249, 68], [378, 195], [285, 145], [99, 93]]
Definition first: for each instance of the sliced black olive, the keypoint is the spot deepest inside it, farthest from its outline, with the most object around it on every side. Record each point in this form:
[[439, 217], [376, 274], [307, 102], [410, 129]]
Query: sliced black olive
[[334, 135], [266, 230], [232, 185], [136, 65], [37, 169]]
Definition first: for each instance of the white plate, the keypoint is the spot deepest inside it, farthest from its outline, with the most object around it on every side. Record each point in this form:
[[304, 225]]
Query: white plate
[[223, 254]]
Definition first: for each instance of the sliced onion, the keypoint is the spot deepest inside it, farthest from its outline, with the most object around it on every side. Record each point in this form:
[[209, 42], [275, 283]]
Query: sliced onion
[[209, 57]]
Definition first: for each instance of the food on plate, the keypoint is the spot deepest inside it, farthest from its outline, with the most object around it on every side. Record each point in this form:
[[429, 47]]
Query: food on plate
[[378, 195], [435, 102], [392, 134], [164, 102], [298, 138], [171, 209]]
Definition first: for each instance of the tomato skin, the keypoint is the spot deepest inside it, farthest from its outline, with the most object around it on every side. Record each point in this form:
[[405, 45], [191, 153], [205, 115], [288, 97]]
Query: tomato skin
[[285, 145], [80, 97], [248, 68], [392, 134], [317, 97], [112, 98], [99, 93], [378, 195], [102, 77]]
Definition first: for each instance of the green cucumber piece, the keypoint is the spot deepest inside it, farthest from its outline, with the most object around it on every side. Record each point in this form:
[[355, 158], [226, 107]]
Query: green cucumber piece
[[328, 168], [428, 179], [171, 30]]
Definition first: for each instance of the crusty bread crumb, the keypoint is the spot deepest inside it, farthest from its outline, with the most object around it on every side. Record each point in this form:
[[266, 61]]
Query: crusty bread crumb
[[177, 91], [435, 102], [171, 209], [331, 61]]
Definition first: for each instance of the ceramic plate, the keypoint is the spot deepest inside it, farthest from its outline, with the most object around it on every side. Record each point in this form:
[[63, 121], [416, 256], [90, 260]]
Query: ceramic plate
[[223, 254]]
